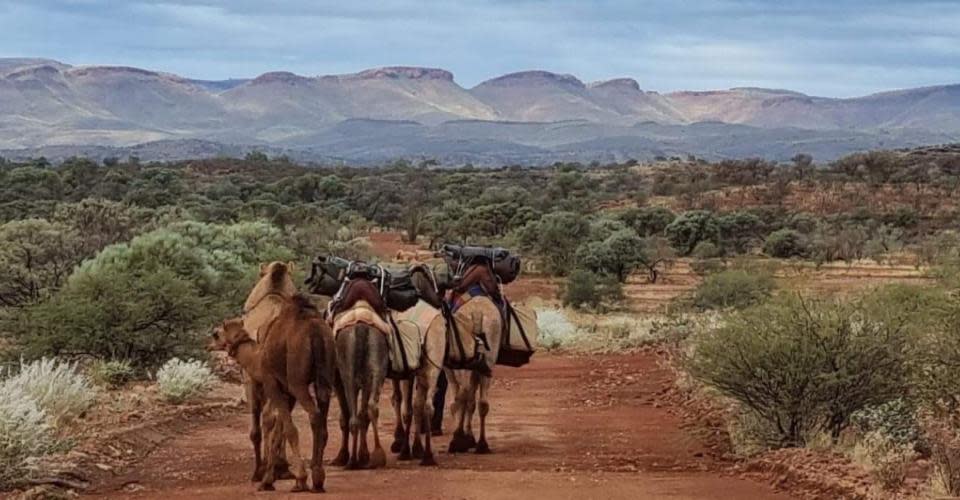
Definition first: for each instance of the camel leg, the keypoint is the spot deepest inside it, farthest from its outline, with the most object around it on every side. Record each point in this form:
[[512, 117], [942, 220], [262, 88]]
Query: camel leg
[[397, 400], [484, 408], [292, 437], [471, 408], [460, 442], [343, 456], [423, 408], [436, 419], [363, 412], [269, 419], [406, 388], [419, 406], [320, 443], [317, 427], [378, 458], [255, 405]]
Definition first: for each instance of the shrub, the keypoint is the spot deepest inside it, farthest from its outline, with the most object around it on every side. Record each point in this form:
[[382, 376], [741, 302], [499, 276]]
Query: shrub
[[25, 435], [733, 289], [56, 387], [944, 439], [706, 250], [785, 243], [804, 366], [585, 289], [113, 373], [895, 419], [690, 228], [144, 301], [887, 459], [555, 328], [180, 381]]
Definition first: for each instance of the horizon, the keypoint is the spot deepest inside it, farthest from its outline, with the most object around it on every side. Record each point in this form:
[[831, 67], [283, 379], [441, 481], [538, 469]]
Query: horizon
[[822, 49], [468, 87]]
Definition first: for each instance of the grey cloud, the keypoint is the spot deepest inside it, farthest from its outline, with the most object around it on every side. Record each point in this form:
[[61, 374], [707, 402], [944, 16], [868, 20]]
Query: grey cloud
[[838, 47]]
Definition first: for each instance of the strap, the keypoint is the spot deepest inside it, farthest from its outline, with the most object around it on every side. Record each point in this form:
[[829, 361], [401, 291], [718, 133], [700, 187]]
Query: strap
[[399, 338], [452, 328]]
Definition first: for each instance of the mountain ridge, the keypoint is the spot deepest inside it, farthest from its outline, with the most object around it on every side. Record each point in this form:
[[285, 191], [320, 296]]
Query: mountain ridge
[[46, 103]]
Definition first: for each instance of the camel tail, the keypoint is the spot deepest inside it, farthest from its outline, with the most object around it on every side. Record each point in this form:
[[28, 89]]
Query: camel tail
[[351, 358]]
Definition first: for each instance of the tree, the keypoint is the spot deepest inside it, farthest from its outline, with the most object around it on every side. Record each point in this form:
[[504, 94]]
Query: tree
[[648, 221], [585, 289], [739, 230], [36, 256], [692, 227], [785, 243], [555, 238]]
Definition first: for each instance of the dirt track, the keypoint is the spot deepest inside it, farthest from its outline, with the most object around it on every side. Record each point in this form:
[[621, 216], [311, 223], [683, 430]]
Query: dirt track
[[562, 427]]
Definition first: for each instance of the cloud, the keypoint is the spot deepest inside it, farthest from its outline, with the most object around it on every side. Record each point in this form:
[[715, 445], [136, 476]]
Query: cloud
[[837, 47]]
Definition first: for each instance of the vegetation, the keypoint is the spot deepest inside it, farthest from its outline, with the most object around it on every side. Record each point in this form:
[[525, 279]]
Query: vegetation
[[733, 288], [58, 389], [180, 381]]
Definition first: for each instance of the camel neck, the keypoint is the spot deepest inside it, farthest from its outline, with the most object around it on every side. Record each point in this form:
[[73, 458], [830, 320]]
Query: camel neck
[[247, 355]]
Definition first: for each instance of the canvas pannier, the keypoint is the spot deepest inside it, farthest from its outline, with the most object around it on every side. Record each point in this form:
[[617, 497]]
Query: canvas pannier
[[405, 343], [521, 336]]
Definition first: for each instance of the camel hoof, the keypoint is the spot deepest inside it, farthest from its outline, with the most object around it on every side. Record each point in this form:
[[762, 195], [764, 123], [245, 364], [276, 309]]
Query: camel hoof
[[341, 459], [428, 461], [417, 450], [352, 464], [265, 487], [483, 448], [300, 486], [471, 442], [282, 471], [363, 460], [378, 459], [257, 475], [318, 489], [396, 447], [460, 443]]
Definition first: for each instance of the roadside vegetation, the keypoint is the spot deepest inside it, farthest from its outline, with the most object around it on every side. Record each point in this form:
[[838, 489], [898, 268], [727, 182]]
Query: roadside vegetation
[[115, 271]]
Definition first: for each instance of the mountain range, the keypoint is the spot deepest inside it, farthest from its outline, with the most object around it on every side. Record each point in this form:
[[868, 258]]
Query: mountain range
[[56, 109]]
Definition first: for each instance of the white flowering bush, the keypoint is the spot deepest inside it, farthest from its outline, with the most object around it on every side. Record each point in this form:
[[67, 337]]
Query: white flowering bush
[[25, 434], [57, 388], [180, 380], [555, 329]]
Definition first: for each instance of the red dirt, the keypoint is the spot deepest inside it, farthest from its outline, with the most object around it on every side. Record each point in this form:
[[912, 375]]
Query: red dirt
[[562, 427]]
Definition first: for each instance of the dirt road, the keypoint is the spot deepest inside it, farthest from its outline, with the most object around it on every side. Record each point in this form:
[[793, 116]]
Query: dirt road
[[561, 428]]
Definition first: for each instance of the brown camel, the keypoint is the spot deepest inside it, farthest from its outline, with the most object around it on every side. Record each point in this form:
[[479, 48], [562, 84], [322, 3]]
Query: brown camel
[[263, 304], [362, 361], [297, 352], [426, 314]]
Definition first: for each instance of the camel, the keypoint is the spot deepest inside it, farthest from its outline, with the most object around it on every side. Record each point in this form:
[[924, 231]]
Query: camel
[[295, 353], [412, 256], [419, 390], [479, 317], [362, 362], [262, 306]]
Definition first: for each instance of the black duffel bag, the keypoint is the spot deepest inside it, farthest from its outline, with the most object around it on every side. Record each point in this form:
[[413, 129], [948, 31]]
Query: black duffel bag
[[505, 266]]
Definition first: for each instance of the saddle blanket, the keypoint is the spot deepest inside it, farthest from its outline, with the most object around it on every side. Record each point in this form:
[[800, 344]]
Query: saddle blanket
[[361, 312]]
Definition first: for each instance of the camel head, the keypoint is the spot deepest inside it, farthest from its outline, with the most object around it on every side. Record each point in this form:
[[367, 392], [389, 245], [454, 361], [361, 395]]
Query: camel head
[[275, 278], [228, 335]]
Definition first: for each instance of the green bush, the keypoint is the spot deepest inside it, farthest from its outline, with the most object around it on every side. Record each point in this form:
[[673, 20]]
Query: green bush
[[113, 373], [733, 288], [690, 228], [147, 300], [804, 367], [585, 289], [785, 243]]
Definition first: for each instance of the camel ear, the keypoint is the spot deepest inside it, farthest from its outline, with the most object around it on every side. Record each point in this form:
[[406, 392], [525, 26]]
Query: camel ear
[[263, 268], [290, 266]]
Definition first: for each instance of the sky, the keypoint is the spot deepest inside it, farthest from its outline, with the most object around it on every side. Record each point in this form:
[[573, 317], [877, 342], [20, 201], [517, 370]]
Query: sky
[[837, 48]]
